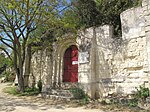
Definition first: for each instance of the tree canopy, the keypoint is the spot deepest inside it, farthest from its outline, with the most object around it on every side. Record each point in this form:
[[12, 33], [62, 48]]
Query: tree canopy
[[100, 12]]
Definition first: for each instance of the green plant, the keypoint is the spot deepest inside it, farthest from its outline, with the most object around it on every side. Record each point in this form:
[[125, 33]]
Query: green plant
[[30, 92], [141, 95], [142, 92], [133, 102], [85, 100], [40, 85], [79, 93], [11, 90], [27, 92], [9, 76]]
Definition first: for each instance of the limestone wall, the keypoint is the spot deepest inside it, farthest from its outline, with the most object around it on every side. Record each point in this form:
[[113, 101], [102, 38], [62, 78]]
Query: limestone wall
[[133, 23], [130, 66], [128, 57], [119, 65], [97, 42], [41, 68], [133, 67]]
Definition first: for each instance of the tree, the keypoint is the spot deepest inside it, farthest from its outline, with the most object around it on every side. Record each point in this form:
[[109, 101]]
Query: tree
[[100, 12], [87, 12], [19, 19]]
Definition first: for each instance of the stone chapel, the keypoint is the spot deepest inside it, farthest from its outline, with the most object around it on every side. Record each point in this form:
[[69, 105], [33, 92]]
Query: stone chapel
[[97, 61]]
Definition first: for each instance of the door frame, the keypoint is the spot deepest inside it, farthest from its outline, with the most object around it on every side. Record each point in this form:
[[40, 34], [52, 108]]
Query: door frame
[[58, 64]]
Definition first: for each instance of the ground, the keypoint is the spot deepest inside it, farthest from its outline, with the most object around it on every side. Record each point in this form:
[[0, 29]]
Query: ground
[[9, 103]]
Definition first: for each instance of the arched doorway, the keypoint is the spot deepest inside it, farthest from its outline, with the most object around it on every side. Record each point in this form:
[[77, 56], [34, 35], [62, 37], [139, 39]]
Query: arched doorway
[[71, 64]]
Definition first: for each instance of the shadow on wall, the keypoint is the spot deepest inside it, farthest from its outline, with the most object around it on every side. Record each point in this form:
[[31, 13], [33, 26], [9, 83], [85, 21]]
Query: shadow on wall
[[107, 48], [103, 75]]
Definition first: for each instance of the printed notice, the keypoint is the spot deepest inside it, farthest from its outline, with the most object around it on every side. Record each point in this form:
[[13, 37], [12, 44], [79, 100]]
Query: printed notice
[[83, 57], [74, 62]]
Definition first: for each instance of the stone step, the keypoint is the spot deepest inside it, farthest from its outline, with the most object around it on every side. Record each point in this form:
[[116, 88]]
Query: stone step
[[57, 93], [66, 86], [55, 97]]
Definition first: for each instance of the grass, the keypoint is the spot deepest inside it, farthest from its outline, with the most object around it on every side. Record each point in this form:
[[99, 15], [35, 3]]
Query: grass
[[10, 90], [28, 91]]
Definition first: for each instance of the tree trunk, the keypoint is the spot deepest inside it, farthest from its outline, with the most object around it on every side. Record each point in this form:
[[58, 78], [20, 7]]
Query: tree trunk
[[20, 80], [27, 66], [19, 68], [20, 76]]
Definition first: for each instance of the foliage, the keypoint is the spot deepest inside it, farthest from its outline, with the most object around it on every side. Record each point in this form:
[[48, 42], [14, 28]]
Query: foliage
[[14, 91], [141, 95], [133, 102], [17, 20], [100, 12], [9, 76], [87, 12], [78, 93], [84, 100], [30, 92], [4, 61], [63, 21], [142, 92], [11, 90], [22, 20]]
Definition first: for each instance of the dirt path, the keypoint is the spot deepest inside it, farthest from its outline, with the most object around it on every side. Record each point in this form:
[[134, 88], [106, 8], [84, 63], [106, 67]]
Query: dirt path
[[10, 103]]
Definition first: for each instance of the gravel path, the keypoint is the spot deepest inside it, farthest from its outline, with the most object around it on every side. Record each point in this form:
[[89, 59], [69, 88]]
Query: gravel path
[[10, 103]]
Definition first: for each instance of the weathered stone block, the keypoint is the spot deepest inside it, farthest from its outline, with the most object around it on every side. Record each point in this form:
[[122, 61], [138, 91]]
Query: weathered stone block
[[147, 28], [144, 3]]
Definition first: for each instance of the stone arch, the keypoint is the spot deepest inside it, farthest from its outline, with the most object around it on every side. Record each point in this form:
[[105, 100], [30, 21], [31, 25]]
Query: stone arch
[[58, 64]]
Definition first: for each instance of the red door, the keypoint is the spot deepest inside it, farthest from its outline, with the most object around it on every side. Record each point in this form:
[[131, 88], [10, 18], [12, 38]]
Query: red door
[[71, 64]]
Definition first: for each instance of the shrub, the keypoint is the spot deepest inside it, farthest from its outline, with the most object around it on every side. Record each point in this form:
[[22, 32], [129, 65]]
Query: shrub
[[141, 95], [133, 102], [30, 92], [142, 92], [78, 93], [9, 76]]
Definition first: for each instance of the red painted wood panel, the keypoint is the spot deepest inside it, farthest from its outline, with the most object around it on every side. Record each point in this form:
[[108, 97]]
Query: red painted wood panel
[[71, 65]]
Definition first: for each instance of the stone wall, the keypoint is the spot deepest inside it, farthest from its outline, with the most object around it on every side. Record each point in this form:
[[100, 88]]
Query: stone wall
[[131, 70], [47, 64], [106, 64], [41, 68], [124, 61], [97, 42], [146, 13]]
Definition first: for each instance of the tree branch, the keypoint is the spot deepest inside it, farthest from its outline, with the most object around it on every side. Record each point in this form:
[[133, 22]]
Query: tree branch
[[6, 39], [6, 53], [6, 43]]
